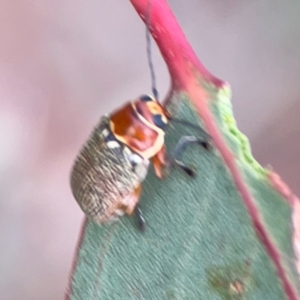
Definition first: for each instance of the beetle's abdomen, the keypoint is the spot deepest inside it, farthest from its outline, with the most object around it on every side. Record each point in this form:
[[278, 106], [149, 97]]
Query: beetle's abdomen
[[105, 172]]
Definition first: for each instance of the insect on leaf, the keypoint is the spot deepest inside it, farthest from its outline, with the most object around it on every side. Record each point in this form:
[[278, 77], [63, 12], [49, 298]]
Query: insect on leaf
[[226, 234]]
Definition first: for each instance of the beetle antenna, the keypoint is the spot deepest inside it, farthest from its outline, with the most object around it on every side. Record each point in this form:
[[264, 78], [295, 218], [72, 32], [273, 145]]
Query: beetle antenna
[[191, 125], [149, 51]]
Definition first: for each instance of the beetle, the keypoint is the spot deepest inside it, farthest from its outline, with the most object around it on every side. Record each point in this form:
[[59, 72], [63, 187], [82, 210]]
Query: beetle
[[107, 176]]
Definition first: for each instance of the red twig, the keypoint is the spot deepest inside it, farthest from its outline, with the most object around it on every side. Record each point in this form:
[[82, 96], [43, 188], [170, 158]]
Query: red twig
[[181, 60]]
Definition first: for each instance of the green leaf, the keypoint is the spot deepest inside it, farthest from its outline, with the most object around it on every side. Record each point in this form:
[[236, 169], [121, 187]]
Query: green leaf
[[200, 241], [226, 234]]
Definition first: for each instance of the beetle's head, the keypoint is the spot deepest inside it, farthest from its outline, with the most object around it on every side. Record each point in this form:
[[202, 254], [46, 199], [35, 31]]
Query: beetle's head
[[149, 108]]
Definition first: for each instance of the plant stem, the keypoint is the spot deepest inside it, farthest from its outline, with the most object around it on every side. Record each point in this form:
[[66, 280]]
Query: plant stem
[[181, 60]]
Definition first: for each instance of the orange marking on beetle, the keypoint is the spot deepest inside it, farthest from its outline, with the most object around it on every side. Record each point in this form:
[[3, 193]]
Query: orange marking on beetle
[[137, 130]]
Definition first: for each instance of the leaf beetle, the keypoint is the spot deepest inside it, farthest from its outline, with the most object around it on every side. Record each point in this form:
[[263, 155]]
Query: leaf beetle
[[107, 176]]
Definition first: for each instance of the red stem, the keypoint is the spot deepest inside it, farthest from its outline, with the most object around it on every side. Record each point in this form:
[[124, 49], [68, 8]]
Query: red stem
[[186, 70], [174, 47]]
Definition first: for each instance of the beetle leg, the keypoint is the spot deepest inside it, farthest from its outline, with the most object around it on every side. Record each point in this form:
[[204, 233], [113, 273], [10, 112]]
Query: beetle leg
[[141, 223], [159, 161], [139, 215], [129, 203], [130, 206], [183, 142]]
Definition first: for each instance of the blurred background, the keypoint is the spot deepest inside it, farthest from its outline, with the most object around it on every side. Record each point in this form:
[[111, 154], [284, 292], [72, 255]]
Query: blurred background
[[65, 63]]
